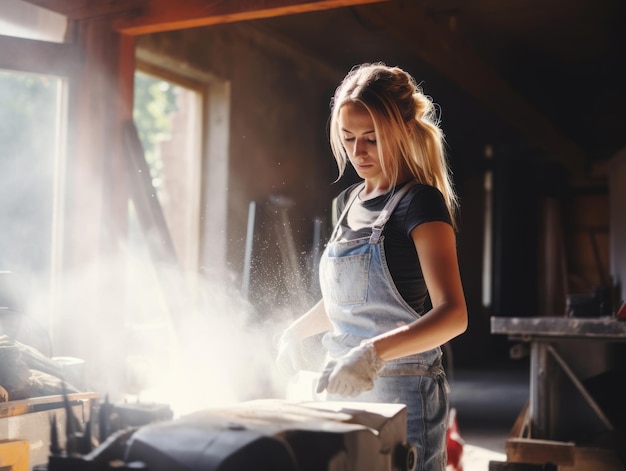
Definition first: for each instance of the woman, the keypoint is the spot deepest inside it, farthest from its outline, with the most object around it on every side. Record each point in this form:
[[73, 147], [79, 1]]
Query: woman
[[393, 247]]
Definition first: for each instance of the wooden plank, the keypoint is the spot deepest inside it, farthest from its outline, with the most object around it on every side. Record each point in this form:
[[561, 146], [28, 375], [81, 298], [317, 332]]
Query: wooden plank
[[83, 9], [126, 78], [527, 450], [41, 57], [561, 328], [147, 205], [92, 139], [150, 16], [521, 427], [92, 217], [565, 455], [34, 404], [592, 459], [117, 201], [152, 220], [165, 15]]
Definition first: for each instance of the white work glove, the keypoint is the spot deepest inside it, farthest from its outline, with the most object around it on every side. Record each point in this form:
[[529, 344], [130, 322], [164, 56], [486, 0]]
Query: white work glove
[[291, 356], [353, 373]]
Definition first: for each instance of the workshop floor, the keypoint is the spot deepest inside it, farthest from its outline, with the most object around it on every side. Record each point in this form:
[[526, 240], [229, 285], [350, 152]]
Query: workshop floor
[[487, 401]]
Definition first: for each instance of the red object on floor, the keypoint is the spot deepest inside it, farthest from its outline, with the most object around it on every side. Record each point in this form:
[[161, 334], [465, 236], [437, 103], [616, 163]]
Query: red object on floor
[[454, 444]]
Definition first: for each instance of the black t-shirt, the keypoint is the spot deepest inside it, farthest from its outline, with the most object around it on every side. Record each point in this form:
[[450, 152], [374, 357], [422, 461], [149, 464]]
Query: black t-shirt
[[422, 203]]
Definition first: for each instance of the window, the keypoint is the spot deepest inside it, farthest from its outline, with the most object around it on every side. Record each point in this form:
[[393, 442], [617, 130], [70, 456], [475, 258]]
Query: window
[[186, 155], [183, 122], [33, 127], [168, 117], [32, 120]]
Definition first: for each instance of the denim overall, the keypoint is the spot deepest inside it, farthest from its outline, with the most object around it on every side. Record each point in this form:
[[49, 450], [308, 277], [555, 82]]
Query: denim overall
[[362, 301]]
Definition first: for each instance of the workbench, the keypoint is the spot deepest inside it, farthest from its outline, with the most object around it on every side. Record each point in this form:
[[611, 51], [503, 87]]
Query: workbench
[[25, 427], [571, 359]]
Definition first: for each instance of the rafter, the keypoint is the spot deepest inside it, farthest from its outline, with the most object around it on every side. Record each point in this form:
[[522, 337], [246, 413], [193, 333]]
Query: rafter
[[136, 17], [82, 9], [164, 15]]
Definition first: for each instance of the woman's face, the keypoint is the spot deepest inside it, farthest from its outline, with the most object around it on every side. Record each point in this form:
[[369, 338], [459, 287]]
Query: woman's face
[[359, 139]]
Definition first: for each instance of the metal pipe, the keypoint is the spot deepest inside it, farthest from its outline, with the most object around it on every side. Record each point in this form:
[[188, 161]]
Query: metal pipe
[[581, 388], [248, 254]]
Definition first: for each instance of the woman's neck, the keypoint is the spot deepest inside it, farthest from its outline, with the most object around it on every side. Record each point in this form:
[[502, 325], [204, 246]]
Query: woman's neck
[[376, 187]]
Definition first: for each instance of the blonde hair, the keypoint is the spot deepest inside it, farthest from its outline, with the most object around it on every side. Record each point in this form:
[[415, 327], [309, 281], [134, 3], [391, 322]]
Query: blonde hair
[[406, 125]]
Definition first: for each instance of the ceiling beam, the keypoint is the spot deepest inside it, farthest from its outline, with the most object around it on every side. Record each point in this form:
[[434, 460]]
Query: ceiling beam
[[41, 57], [137, 17], [446, 51], [165, 15], [83, 9]]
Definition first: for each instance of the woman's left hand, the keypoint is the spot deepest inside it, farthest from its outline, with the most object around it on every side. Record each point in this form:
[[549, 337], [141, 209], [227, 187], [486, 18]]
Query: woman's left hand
[[353, 373]]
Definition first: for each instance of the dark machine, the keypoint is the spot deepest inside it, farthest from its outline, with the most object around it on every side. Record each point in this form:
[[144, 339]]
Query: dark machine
[[274, 435]]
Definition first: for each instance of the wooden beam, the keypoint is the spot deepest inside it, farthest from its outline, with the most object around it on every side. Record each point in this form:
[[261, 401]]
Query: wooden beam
[[527, 450], [136, 17], [97, 194], [92, 139], [83, 9], [165, 15], [448, 53], [41, 57], [147, 206]]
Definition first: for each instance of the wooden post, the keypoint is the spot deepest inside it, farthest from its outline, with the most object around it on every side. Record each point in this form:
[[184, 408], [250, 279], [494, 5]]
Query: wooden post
[[92, 290]]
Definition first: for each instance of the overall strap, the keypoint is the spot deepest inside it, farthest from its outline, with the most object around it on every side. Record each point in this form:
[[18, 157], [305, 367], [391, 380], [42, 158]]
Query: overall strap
[[386, 212], [351, 199]]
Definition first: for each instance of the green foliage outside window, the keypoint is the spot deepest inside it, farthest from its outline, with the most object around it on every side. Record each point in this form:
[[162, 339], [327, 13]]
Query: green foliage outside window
[[155, 102], [25, 122], [28, 114]]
